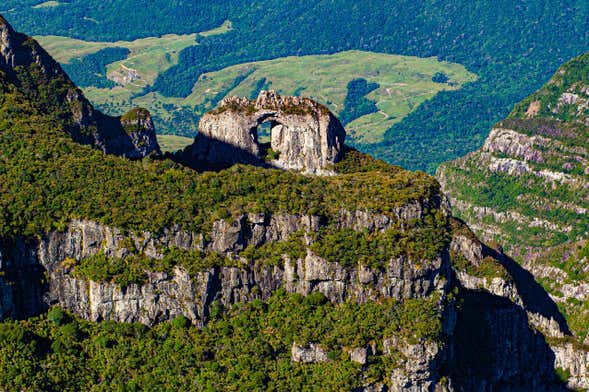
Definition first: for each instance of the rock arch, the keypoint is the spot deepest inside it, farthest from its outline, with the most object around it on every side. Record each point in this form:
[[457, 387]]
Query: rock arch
[[305, 136]]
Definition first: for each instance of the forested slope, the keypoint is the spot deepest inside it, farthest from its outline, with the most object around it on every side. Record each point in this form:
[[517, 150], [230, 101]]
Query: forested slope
[[528, 188]]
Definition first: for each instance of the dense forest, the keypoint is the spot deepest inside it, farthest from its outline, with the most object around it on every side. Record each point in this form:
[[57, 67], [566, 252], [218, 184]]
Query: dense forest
[[59, 352], [512, 45]]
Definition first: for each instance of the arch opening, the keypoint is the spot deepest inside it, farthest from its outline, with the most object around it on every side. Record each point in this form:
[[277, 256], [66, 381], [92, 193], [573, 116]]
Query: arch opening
[[263, 133]]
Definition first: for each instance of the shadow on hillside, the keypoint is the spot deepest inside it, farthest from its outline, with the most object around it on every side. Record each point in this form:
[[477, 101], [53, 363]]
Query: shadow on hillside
[[23, 284], [207, 154], [535, 298], [495, 349]]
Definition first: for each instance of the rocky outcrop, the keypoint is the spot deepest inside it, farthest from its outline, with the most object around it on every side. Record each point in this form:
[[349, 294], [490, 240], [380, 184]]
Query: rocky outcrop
[[39, 273], [305, 136], [313, 353], [360, 355], [20, 55], [517, 145], [138, 124], [502, 320], [166, 296], [419, 371], [19, 50], [573, 362]]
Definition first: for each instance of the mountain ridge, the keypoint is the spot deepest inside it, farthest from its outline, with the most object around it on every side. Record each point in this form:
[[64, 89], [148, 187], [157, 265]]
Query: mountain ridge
[[527, 189], [255, 276], [31, 71]]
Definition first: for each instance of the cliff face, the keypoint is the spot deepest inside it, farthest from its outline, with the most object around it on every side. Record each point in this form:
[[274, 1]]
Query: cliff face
[[305, 136], [502, 322], [41, 272], [30, 71], [492, 321], [166, 295], [527, 189]]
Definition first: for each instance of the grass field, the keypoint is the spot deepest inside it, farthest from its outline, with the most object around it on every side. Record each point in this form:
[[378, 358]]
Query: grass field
[[173, 143], [148, 58], [405, 82]]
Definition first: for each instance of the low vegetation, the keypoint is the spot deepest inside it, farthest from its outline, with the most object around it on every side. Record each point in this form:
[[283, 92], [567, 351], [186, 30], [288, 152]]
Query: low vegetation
[[171, 143], [403, 84]]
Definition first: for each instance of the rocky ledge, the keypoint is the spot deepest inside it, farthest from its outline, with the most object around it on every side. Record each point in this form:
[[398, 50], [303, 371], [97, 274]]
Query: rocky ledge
[[165, 295]]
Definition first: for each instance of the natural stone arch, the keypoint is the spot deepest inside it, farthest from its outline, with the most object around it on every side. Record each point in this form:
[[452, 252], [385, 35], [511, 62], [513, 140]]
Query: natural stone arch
[[305, 135]]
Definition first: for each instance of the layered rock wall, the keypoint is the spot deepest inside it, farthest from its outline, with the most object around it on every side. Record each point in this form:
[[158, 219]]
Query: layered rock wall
[[167, 295]]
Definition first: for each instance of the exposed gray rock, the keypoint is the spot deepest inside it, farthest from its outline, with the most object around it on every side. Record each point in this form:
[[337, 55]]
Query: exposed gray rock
[[19, 50], [515, 144], [139, 126], [305, 135], [360, 355], [373, 388], [419, 371], [312, 353], [575, 361], [165, 296], [468, 246]]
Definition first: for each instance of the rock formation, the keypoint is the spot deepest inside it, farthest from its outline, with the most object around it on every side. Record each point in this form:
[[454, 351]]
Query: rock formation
[[167, 295], [535, 166], [22, 59], [138, 124], [492, 311], [311, 354], [305, 136]]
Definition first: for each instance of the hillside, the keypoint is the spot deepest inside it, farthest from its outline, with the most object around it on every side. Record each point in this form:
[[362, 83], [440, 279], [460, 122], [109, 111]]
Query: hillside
[[528, 188], [394, 87], [513, 47], [152, 241], [402, 83], [34, 84], [293, 264]]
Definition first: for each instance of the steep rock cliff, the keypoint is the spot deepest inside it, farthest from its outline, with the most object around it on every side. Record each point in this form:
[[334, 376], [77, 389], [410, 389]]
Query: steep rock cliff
[[305, 136], [492, 321], [28, 70], [168, 294], [527, 189], [42, 272]]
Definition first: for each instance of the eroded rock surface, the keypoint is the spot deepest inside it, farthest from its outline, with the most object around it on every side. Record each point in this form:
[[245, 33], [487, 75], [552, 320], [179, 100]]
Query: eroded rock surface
[[305, 136], [312, 353], [166, 295]]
